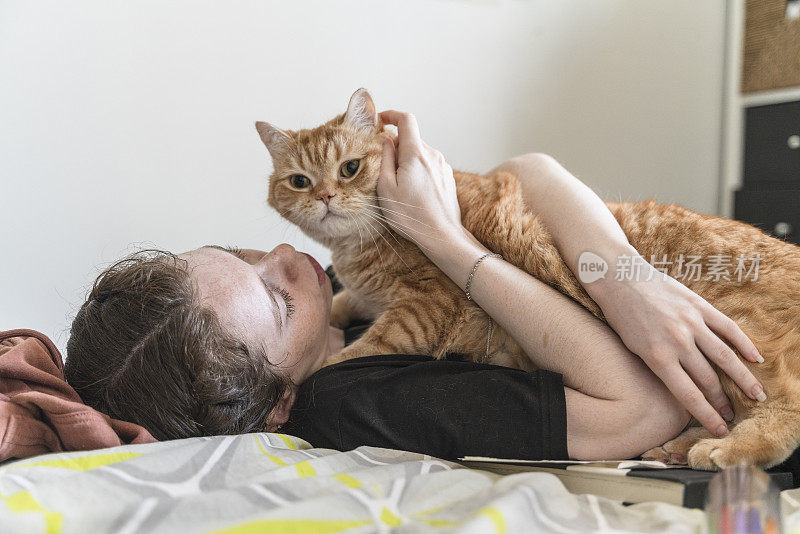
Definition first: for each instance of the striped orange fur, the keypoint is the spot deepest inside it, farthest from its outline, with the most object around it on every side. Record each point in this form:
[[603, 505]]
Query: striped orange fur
[[417, 310]]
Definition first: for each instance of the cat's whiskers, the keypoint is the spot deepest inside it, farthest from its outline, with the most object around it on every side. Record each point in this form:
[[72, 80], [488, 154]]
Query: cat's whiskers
[[408, 236], [399, 229], [367, 207], [392, 230], [394, 212], [390, 245], [368, 225], [287, 225], [281, 214], [360, 237], [409, 229], [381, 220], [284, 212], [397, 202]]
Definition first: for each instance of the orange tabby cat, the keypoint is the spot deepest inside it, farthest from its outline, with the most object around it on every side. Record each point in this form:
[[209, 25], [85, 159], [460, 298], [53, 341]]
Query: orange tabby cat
[[324, 181]]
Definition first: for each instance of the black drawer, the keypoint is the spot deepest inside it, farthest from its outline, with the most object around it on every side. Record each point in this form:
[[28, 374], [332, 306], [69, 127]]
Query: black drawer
[[777, 212], [772, 145]]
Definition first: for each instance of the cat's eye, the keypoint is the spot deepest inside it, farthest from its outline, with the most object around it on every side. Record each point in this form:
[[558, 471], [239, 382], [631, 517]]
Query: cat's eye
[[299, 181], [349, 168]]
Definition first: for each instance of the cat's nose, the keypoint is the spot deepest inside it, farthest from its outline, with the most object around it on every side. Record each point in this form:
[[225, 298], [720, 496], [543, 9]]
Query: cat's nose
[[326, 197]]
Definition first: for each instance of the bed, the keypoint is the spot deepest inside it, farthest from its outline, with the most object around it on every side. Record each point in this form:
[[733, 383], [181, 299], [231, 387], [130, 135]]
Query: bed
[[278, 483]]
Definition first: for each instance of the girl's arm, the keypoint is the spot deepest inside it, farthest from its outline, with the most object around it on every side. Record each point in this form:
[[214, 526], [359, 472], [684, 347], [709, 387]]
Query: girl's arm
[[670, 327], [419, 179]]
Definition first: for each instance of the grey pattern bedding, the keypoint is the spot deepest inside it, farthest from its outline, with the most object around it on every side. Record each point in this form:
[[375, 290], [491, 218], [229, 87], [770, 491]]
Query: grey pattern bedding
[[278, 483]]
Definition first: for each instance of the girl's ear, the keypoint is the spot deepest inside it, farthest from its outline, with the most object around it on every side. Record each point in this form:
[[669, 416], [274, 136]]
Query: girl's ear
[[280, 413], [361, 113], [273, 137]]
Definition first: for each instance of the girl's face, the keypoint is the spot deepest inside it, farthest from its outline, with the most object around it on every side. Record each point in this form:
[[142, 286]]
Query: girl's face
[[278, 300]]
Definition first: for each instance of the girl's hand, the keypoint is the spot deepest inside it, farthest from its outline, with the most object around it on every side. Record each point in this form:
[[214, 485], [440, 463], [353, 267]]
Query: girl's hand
[[416, 189], [676, 333]]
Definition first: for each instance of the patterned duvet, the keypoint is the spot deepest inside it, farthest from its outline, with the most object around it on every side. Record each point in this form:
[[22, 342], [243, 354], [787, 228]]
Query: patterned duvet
[[257, 483]]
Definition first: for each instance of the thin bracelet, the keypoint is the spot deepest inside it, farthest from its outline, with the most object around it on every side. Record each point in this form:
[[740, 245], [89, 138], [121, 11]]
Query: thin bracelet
[[487, 356], [475, 268]]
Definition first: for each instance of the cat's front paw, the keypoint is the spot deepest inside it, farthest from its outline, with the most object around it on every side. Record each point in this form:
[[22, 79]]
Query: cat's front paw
[[339, 319], [341, 310], [713, 453]]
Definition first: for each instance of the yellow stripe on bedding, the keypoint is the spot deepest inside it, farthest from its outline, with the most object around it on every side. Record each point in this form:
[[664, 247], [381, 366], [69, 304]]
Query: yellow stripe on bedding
[[389, 518], [23, 502], [496, 517], [277, 460], [286, 439], [348, 480], [83, 463], [304, 470]]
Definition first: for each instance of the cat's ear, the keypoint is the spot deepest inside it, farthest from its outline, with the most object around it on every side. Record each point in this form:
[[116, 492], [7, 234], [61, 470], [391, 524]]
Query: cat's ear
[[361, 113], [273, 137]]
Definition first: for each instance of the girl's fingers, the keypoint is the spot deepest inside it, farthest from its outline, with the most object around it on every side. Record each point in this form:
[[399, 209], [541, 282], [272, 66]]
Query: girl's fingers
[[703, 375], [407, 129], [392, 136], [388, 174], [690, 396], [722, 355], [728, 329]]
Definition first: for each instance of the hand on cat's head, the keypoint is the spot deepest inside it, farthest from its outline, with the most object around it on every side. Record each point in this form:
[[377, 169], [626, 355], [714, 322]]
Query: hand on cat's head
[[324, 178]]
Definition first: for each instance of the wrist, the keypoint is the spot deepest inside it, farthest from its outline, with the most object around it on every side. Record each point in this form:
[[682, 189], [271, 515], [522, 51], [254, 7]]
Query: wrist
[[455, 254], [620, 264]]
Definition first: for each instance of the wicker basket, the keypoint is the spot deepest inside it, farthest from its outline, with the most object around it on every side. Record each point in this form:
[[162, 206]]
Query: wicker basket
[[771, 47]]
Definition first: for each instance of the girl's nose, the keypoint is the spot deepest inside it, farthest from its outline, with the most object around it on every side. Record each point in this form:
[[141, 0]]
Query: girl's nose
[[280, 262], [284, 249]]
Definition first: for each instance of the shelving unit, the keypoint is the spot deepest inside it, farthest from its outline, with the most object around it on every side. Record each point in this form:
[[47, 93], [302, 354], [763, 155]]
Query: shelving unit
[[733, 149]]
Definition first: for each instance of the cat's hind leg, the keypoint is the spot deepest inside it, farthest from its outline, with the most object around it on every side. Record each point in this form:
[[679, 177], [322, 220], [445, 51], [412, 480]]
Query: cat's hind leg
[[676, 451]]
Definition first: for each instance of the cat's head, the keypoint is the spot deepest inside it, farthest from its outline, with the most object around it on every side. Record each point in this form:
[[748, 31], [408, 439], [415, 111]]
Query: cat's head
[[324, 178]]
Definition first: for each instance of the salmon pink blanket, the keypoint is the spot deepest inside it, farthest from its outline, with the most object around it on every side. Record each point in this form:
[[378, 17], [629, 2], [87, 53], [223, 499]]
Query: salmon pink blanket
[[40, 412]]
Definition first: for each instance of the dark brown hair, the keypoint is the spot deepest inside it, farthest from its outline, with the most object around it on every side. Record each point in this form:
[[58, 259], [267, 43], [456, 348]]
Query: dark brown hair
[[142, 349]]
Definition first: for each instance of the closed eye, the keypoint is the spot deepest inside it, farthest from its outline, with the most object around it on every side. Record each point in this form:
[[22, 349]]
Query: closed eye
[[287, 298], [271, 289]]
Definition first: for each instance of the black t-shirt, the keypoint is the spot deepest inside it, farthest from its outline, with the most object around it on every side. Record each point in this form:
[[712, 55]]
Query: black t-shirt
[[444, 408]]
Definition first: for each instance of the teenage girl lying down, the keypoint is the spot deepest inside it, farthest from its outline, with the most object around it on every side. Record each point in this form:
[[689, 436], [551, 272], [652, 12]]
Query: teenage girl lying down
[[218, 340]]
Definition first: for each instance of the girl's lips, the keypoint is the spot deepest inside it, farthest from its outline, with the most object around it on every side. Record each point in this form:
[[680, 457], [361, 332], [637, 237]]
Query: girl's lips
[[321, 276]]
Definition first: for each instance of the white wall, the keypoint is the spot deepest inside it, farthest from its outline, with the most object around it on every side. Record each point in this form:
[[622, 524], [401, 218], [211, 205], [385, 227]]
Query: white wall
[[130, 123]]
